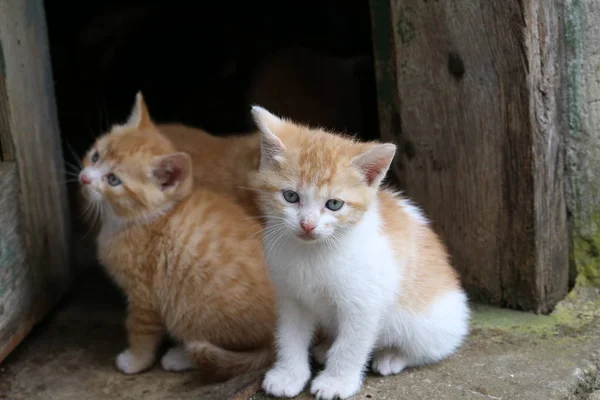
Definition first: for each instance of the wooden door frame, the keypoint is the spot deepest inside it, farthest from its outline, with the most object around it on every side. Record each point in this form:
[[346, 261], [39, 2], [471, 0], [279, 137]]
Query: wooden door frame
[[34, 216]]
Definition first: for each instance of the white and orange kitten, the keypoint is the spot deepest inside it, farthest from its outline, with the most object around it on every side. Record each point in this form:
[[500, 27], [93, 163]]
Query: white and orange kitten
[[351, 259]]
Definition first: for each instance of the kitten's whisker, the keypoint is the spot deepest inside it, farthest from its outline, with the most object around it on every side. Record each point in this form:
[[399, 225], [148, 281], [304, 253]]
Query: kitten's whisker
[[277, 241], [71, 174], [71, 167], [336, 239], [92, 218], [74, 154], [69, 180], [93, 214], [270, 232], [259, 232], [279, 233]]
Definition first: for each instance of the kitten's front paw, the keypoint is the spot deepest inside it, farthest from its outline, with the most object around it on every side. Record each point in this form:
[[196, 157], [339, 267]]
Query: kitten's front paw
[[388, 363], [131, 363], [283, 382], [327, 387], [177, 359]]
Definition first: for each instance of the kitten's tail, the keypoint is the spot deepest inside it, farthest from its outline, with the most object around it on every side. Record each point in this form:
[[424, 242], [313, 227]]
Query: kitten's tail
[[220, 364]]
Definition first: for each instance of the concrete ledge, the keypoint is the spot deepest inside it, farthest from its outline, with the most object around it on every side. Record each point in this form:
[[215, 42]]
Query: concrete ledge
[[510, 355]]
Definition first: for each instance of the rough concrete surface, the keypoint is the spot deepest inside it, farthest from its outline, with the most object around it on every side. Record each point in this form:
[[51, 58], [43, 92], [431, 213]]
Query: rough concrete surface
[[510, 355], [71, 356]]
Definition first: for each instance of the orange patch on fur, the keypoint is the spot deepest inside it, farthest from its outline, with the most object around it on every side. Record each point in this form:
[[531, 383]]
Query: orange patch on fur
[[189, 258], [324, 160]]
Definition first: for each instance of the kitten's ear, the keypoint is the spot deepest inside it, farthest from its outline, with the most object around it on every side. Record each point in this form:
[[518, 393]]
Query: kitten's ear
[[139, 116], [375, 162], [271, 147], [170, 170]]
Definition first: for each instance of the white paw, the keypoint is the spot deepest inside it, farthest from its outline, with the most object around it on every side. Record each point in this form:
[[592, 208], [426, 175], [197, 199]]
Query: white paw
[[284, 382], [327, 387], [177, 359], [388, 363], [131, 363], [320, 352]]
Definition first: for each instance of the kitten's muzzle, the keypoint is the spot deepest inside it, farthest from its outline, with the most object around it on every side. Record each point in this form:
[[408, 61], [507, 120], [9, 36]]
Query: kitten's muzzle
[[84, 179], [308, 226]]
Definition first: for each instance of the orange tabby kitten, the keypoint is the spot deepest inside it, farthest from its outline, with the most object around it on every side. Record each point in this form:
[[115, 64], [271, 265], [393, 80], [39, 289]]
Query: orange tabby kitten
[[188, 259], [230, 159], [221, 164]]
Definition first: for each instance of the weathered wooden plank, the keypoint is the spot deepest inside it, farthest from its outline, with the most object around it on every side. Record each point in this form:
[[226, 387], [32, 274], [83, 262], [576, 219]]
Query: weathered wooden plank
[[582, 39], [384, 52], [7, 152], [16, 291], [480, 148], [32, 120], [546, 82]]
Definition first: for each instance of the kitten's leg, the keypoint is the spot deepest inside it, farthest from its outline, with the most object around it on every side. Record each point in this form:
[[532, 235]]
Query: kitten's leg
[[320, 350], [389, 362], [416, 339], [177, 359], [291, 371], [144, 331], [347, 357]]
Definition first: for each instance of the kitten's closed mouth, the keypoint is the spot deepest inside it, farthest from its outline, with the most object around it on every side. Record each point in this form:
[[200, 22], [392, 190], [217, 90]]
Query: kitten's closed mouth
[[307, 237]]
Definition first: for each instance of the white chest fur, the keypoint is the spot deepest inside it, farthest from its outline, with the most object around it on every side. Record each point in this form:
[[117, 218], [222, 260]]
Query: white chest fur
[[356, 272]]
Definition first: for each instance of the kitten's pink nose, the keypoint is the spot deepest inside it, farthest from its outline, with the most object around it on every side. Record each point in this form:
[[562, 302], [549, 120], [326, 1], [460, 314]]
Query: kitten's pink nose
[[308, 226], [83, 178]]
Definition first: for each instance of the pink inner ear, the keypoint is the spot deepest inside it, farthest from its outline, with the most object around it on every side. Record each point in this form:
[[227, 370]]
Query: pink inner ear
[[375, 162], [173, 175], [168, 174], [371, 172], [172, 169]]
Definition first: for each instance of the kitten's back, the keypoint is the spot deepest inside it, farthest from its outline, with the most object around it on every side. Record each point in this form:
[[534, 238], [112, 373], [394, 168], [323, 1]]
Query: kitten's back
[[429, 275], [221, 164]]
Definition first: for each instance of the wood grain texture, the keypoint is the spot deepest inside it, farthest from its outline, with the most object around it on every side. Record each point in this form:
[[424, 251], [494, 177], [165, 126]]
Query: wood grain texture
[[16, 291], [479, 145], [582, 99], [7, 151], [547, 81], [384, 53], [32, 120]]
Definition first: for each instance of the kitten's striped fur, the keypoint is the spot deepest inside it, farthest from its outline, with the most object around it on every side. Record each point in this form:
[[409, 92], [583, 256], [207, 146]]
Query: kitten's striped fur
[[188, 259]]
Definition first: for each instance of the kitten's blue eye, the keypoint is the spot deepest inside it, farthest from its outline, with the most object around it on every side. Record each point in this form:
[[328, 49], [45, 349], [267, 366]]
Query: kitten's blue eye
[[290, 196], [95, 157], [334, 204], [113, 180]]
